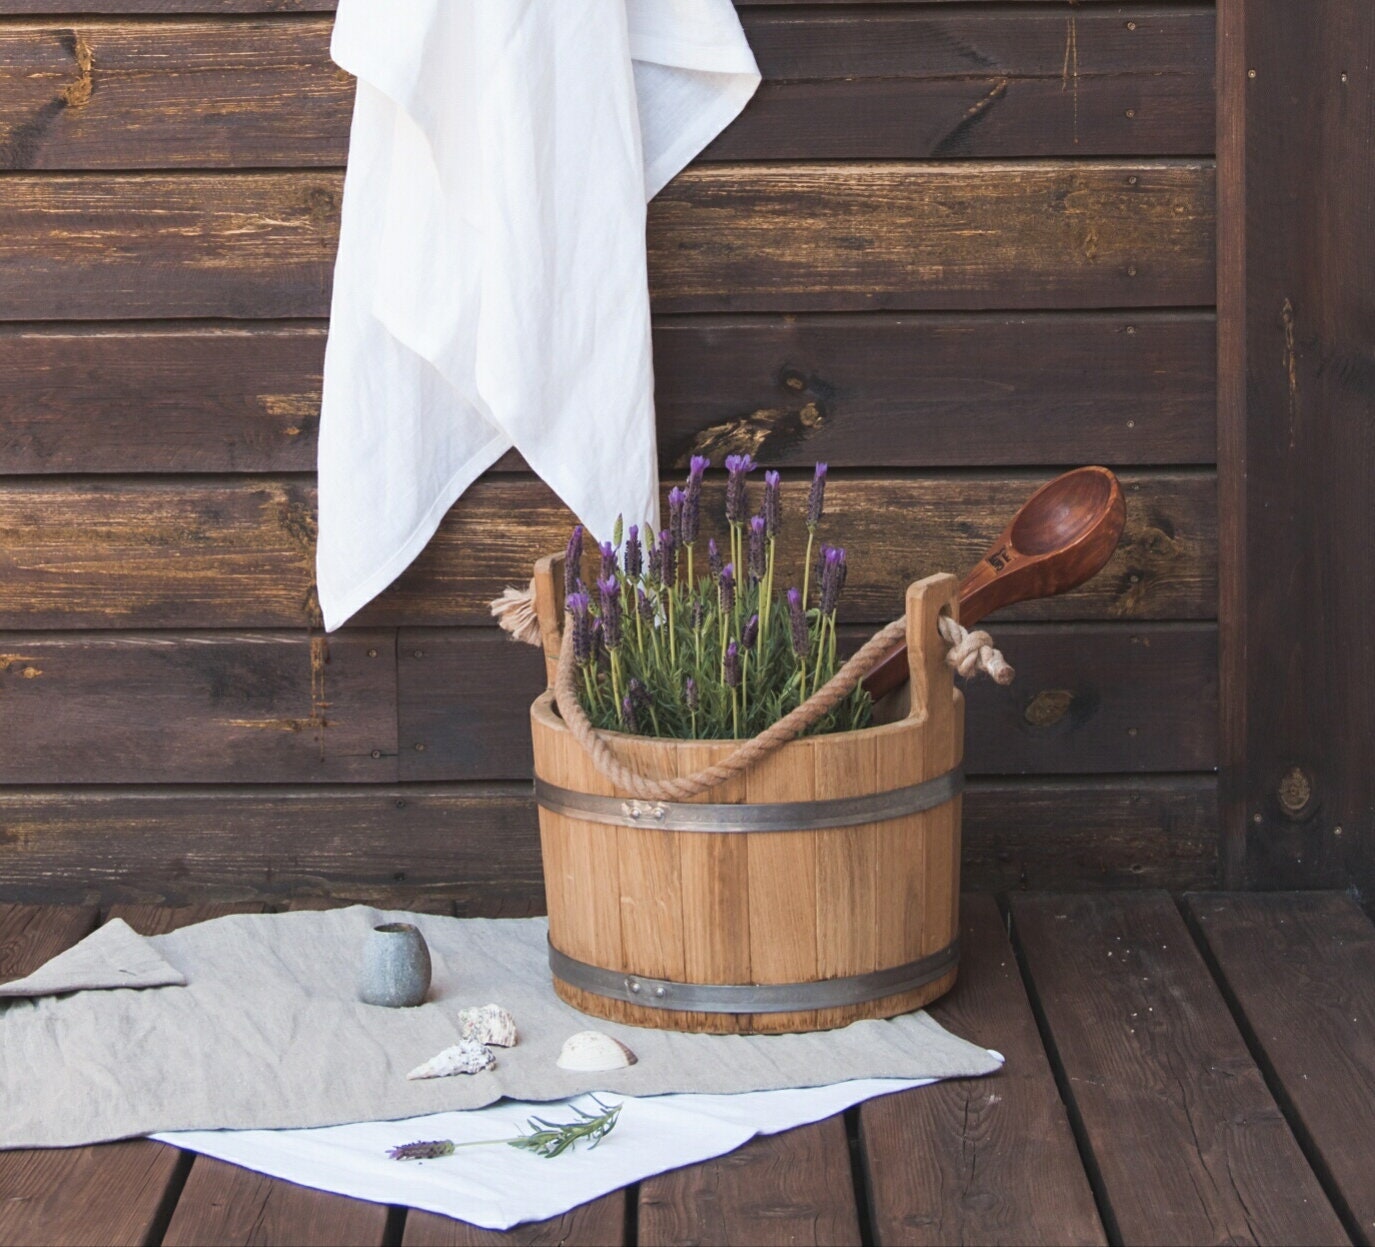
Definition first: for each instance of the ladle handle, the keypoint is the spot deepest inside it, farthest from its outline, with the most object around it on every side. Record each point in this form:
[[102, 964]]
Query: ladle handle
[[1091, 528], [891, 672]]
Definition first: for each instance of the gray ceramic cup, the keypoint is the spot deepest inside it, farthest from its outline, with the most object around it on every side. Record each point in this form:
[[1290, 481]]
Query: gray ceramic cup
[[396, 967]]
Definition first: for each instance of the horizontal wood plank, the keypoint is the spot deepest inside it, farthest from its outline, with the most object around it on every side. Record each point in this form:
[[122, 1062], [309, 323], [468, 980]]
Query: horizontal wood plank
[[769, 237], [910, 83], [117, 553], [896, 528], [1187, 1143], [925, 82], [479, 844], [21, 7], [919, 391], [973, 235], [1087, 698], [980, 1160], [204, 708], [173, 845], [1089, 832], [1300, 971]]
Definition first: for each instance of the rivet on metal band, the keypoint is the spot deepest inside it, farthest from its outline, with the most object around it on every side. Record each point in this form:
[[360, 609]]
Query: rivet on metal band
[[876, 807], [749, 997]]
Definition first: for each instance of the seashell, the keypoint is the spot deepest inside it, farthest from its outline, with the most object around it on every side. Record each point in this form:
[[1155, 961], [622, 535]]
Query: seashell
[[465, 1057], [488, 1024], [591, 1051]]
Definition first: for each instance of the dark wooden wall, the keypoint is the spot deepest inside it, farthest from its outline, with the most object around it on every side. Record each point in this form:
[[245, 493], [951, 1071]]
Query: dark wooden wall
[[1297, 144], [949, 248]]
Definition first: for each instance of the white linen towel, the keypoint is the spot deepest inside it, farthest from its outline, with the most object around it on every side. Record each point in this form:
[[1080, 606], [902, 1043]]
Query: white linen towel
[[490, 289], [500, 1187]]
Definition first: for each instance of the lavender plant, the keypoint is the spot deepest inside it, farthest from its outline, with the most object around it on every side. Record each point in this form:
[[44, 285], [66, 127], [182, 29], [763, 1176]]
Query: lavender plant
[[670, 645]]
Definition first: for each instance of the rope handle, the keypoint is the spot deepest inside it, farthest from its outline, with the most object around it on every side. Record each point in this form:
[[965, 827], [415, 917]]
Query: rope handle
[[970, 653]]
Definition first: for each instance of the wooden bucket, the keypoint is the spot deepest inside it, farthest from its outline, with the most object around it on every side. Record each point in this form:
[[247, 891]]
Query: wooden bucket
[[819, 888]]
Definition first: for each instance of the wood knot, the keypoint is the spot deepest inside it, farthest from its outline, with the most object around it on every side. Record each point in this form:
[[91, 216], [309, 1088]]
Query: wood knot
[[1048, 706], [1295, 792], [78, 94]]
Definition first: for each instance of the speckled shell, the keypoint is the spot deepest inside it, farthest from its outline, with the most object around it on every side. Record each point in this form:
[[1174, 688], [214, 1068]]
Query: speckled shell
[[590, 1051], [465, 1057], [488, 1024]]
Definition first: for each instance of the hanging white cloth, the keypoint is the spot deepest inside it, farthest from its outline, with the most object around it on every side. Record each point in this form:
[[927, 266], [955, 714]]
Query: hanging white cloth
[[490, 289]]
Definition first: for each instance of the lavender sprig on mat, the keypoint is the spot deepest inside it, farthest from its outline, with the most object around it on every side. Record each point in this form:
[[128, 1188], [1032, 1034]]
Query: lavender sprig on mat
[[545, 1138]]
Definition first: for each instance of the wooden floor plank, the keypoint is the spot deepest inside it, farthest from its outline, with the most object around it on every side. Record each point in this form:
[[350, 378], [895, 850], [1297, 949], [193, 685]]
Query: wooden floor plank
[[33, 934], [984, 1160], [600, 1223], [224, 1204], [1188, 1144], [1299, 969], [793, 1188], [112, 1194]]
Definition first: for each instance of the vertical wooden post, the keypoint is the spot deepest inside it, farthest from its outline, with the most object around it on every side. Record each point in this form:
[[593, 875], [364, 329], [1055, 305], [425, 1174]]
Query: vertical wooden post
[[1296, 87]]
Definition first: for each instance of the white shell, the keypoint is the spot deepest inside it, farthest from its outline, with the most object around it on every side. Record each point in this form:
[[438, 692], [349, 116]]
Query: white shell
[[591, 1050], [465, 1057], [488, 1024]]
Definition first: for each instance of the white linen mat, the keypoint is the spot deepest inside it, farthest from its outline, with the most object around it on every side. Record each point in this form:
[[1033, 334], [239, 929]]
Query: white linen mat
[[490, 288], [499, 1187], [267, 1032]]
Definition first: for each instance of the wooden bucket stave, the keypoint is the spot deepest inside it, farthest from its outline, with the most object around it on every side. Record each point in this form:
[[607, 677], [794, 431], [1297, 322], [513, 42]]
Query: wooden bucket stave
[[644, 917]]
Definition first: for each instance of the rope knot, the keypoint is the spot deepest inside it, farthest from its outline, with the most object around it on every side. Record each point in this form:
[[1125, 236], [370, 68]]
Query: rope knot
[[972, 652]]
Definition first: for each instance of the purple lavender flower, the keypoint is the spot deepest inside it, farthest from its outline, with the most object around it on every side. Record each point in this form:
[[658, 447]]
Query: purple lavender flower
[[750, 633], [634, 554], [598, 642], [737, 488], [675, 513], [644, 606], [773, 504], [629, 719], [668, 554], [832, 565], [699, 613], [727, 588], [572, 564], [656, 564], [692, 498], [608, 560], [759, 529], [690, 694], [611, 611], [732, 665], [797, 618], [713, 559], [577, 605], [816, 500], [638, 694]]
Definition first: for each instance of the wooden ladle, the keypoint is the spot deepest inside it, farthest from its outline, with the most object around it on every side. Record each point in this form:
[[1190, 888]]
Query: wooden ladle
[[1064, 534]]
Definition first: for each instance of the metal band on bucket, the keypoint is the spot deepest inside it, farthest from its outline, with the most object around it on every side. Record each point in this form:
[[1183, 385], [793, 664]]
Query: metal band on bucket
[[855, 989], [875, 807]]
